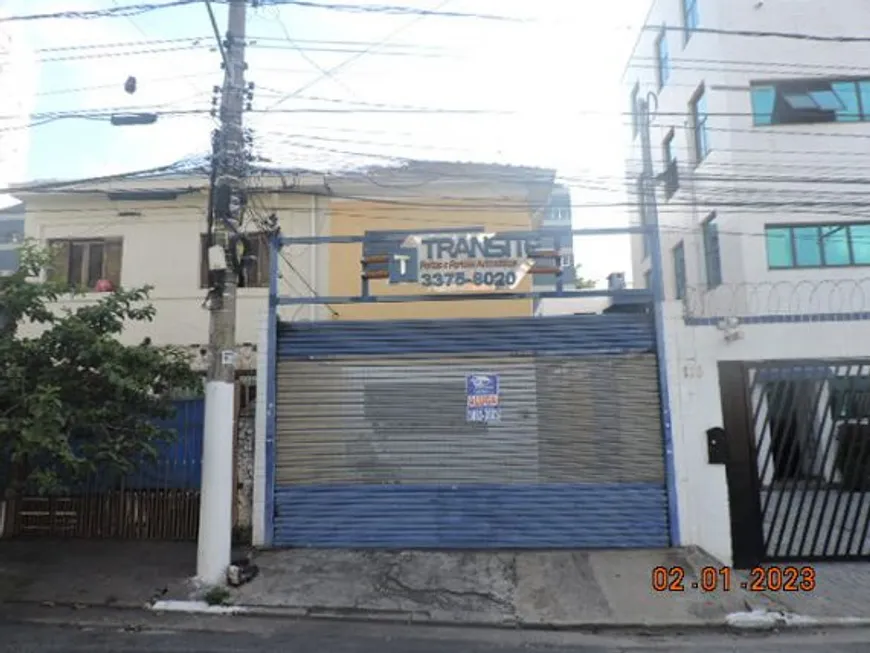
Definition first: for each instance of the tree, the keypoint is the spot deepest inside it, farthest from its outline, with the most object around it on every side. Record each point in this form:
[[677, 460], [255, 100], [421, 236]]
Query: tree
[[73, 399], [582, 283]]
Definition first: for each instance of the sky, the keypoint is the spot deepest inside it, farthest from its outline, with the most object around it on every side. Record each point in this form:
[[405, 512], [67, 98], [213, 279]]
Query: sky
[[555, 70]]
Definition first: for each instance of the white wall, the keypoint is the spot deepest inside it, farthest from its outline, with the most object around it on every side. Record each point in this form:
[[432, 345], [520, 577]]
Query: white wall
[[571, 305], [161, 249], [693, 354], [744, 157]]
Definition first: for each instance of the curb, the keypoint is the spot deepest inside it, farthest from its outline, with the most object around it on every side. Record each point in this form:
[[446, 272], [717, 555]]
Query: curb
[[757, 621], [763, 620]]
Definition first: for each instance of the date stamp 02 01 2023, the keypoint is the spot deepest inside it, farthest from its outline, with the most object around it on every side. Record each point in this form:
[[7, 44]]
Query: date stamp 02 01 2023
[[721, 579]]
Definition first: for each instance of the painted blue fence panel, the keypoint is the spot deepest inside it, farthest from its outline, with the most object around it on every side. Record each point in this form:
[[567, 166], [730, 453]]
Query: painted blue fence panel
[[630, 515], [177, 466], [179, 462], [616, 333]]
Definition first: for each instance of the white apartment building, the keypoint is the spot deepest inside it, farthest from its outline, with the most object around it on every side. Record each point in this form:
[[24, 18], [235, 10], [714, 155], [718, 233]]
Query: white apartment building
[[762, 109], [759, 129]]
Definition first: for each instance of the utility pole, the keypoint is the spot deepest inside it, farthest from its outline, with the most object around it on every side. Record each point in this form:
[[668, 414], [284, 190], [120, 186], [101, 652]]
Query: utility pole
[[215, 518]]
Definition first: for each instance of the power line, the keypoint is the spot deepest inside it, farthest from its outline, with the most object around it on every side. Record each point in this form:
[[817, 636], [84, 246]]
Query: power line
[[122, 11], [330, 72], [395, 10], [800, 36]]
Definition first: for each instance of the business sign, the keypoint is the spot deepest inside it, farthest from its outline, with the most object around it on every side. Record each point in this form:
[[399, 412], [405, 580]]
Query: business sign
[[482, 402], [463, 261]]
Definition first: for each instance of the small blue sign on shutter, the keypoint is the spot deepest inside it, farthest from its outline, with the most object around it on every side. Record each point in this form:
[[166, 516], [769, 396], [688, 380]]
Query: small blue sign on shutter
[[482, 398]]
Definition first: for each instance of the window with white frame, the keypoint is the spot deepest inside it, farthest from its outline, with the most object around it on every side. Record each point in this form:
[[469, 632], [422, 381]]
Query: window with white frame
[[691, 18], [700, 136], [663, 63]]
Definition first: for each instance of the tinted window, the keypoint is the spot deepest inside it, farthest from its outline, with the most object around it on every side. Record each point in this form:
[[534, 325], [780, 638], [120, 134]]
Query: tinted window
[[810, 101], [807, 248], [779, 253], [835, 245], [860, 238], [829, 245], [712, 254]]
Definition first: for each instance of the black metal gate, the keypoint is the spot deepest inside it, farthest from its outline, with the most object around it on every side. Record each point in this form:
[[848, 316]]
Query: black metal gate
[[799, 459]]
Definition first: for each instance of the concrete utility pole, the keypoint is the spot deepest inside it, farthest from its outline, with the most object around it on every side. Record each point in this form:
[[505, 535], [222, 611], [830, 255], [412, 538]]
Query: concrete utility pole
[[215, 519]]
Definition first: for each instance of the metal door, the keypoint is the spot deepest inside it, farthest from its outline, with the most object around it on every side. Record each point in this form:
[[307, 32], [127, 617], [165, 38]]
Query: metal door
[[374, 445], [800, 467]]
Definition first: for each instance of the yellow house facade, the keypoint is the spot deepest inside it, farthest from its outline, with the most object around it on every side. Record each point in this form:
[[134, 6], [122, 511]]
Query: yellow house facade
[[148, 230]]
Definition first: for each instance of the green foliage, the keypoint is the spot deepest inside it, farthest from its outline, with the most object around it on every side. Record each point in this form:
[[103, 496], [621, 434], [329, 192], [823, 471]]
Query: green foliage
[[217, 595], [73, 399], [582, 283]]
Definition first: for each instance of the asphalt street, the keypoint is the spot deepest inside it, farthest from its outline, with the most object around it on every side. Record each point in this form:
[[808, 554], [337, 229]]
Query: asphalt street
[[242, 635]]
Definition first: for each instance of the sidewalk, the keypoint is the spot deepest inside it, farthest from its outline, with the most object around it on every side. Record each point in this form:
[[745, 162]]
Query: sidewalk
[[531, 589], [587, 589], [98, 572]]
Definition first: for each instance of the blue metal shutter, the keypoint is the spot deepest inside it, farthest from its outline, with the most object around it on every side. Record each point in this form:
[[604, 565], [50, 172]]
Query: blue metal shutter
[[373, 447]]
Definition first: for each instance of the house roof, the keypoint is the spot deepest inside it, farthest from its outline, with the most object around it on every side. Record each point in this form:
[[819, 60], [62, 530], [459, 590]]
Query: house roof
[[197, 167]]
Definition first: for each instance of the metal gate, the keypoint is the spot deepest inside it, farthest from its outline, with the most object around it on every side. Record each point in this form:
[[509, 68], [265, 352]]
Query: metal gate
[[380, 441], [799, 465]]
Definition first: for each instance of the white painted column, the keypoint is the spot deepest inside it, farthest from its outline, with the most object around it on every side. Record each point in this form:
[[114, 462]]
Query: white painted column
[[216, 504], [258, 524]]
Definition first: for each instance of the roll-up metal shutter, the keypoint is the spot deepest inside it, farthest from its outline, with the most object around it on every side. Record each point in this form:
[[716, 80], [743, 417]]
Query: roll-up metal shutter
[[374, 447]]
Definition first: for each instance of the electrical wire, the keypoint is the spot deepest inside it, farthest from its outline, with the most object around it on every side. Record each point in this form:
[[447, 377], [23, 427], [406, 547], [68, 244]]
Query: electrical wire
[[332, 71], [260, 212], [799, 36], [122, 11], [393, 10]]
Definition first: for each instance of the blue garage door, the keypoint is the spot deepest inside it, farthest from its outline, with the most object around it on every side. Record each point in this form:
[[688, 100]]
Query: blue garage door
[[537, 432]]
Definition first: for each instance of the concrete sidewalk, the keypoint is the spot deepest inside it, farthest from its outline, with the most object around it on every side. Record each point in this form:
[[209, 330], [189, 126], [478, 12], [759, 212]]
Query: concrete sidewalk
[[94, 572], [531, 589], [586, 589]]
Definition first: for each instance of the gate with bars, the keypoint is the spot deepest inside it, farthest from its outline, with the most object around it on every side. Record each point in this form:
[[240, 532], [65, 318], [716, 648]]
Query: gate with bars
[[374, 444], [799, 459]]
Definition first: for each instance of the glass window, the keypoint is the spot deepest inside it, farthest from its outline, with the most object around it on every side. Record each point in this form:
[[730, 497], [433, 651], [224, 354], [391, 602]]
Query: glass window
[[847, 95], [835, 245], [712, 255], [691, 18], [779, 252], [864, 96], [830, 245], [807, 246], [699, 119], [859, 234], [809, 101], [763, 100], [679, 254], [664, 66]]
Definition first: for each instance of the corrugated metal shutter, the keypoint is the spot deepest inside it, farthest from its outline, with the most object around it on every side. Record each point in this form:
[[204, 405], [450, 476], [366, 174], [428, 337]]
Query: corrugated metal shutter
[[373, 447]]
